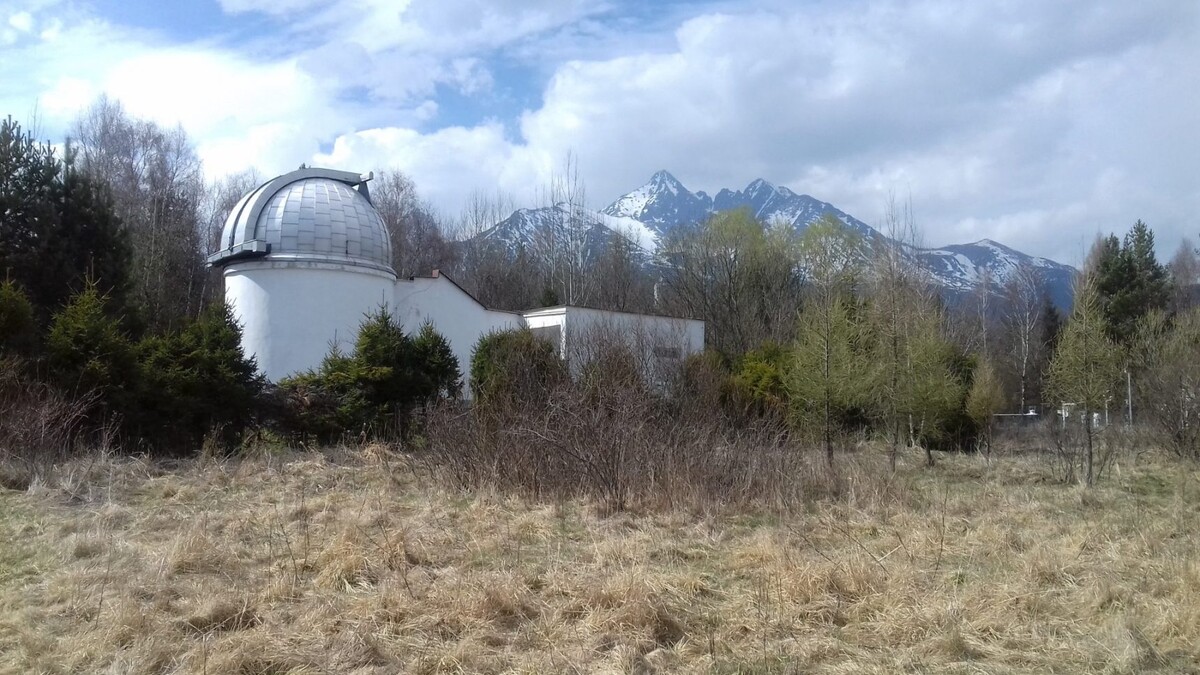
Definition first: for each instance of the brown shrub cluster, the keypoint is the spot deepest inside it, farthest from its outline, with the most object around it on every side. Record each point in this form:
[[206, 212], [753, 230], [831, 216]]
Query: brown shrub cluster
[[613, 433]]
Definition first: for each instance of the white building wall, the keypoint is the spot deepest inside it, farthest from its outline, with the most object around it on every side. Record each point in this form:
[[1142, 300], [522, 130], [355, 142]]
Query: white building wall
[[546, 318], [660, 342], [454, 313], [291, 313]]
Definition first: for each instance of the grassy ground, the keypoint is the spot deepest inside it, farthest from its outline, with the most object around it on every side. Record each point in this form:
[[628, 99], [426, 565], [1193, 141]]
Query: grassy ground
[[307, 563]]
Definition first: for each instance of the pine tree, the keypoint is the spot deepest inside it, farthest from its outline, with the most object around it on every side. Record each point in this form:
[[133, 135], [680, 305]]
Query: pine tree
[[1129, 281]]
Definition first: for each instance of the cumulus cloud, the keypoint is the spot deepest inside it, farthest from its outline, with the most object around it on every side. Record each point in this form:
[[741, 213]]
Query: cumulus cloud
[[1036, 124], [985, 117]]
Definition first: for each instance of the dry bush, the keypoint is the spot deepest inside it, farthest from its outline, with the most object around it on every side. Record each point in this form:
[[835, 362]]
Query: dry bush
[[1064, 448], [610, 434], [39, 426]]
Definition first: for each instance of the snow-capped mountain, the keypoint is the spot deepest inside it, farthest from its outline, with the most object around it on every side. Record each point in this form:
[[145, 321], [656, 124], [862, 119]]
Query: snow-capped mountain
[[564, 227], [658, 210]]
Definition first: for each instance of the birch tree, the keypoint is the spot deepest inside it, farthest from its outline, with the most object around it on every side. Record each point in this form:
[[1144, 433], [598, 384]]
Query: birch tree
[[1022, 319], [158, 188]]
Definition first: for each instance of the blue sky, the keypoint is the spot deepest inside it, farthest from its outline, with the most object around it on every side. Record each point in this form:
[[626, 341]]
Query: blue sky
[[1038, 124]]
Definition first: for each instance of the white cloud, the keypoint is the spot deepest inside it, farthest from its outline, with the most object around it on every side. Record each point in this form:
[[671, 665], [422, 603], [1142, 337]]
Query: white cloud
[[22, 21], [447, 164], [1036, 124]]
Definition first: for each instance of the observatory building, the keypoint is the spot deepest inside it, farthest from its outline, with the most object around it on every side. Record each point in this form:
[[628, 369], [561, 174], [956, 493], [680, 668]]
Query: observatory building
[[305, 257]]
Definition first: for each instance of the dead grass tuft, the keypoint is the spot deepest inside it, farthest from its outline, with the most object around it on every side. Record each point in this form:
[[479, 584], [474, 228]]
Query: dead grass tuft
[[195, 552], [222, 615], [302, 563]]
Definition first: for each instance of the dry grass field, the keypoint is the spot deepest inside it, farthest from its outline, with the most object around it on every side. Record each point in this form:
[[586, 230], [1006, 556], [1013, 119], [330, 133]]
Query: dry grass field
[[357, 562]]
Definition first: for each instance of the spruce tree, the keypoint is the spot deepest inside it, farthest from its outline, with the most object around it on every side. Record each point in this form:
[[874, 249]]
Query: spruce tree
[[57, 228], [1129, 281]]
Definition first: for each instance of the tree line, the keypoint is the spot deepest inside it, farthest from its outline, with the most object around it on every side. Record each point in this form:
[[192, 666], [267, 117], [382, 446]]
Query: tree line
[[830, 335]]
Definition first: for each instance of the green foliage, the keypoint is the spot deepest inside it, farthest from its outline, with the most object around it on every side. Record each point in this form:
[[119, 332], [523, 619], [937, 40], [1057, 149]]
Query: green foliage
[[87, 351], [373, 391], [742, 278], [827, 379], [1086, 365], [16, 319], [512, 366], [197, 382], [984, 399], [913, 389], [832, 254], [58, 229], [438, 366], [1129, 281], [758, 383]]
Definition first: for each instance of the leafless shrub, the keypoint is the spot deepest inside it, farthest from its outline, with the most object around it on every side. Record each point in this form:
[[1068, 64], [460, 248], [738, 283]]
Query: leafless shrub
[[39, 426], [609, 434], [1066, 449]]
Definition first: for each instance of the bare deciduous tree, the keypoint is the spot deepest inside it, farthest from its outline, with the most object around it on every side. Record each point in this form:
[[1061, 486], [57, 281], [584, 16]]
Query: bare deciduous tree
[[418, 242], [1185, 277], [1167, 356], [1023, 320], [158, 190]]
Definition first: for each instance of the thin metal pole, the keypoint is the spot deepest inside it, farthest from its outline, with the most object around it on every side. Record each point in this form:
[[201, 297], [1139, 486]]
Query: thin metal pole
[[1129, 395]]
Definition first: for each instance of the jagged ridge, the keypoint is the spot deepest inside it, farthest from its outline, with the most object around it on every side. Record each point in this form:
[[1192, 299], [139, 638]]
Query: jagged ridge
[[655, 211]]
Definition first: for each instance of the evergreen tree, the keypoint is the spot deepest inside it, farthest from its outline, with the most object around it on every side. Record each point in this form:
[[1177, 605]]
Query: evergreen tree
[[197, 381], [57, 227], [16, 319], [514, 367], [1129, 281], [437, 367], [88, 353], [374, 390]]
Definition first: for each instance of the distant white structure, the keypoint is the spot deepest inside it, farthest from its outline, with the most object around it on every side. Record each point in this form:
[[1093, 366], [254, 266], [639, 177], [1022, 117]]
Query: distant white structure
[[306, 256]]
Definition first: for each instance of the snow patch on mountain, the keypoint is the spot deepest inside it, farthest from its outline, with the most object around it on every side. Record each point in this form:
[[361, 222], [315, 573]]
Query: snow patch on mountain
[[633, 229], [662, 207]]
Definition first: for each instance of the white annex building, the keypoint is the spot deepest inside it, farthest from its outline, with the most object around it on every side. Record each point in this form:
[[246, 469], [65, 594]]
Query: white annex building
[[306, 256]]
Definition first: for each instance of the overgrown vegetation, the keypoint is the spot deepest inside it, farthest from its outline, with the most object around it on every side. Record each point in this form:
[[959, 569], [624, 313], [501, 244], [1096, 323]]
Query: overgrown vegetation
[[373, 391]]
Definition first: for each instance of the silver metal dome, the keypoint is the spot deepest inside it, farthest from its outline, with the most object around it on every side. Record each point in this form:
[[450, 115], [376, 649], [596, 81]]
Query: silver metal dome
[[317, 215]]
